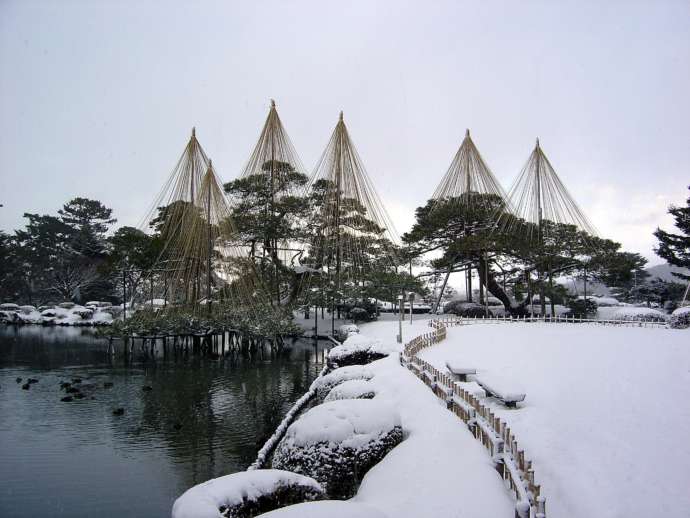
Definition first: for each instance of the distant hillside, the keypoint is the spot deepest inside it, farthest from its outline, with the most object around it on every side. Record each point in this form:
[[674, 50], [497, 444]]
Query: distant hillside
[[663, 272]]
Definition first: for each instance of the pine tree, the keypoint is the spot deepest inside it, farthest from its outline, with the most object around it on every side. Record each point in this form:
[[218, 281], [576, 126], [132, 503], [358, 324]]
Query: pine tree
[[675, 248]]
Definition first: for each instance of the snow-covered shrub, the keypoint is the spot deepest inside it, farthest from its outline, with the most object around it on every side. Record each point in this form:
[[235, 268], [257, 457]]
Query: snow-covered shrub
[[639, 315], [352, 389], [346, 330], [336, 443], [359, 310], [357, 350], [466, 309], [9, 306], [680, 318], [326, 508], [246, 494], [8, 316], [602, 302], [582, 308], [338, 376]]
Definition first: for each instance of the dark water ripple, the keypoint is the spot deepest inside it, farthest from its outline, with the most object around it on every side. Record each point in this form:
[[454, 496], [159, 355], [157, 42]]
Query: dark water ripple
[[202, 419]]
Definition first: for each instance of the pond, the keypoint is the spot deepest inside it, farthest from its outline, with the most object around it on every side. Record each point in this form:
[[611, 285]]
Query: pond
[[200, 419]]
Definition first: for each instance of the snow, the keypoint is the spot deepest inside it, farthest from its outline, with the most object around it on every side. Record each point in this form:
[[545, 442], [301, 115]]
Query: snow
[[348, 329], [440, 469], [352, 389], [350, 423], [326, 508], [632, 313], [342, 374], [359, 343], [602, 301], [681, 311], [204, 500], [606, 418], [64, 314]]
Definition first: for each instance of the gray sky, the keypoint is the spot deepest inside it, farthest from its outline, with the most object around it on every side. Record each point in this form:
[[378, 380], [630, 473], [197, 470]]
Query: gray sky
[[97, 99]]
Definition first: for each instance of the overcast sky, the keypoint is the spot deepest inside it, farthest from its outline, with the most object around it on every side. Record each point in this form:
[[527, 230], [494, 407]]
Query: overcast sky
[[97, 99]]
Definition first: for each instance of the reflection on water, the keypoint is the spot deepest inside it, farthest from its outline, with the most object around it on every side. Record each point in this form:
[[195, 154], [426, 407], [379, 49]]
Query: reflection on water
[[203, 418]]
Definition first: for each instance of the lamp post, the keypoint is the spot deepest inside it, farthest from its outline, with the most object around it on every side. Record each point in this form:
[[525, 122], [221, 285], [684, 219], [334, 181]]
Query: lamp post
[[401, 302]]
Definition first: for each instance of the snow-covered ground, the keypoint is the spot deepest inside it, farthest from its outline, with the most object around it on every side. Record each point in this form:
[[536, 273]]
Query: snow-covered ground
[[607, 414], [439, 469]]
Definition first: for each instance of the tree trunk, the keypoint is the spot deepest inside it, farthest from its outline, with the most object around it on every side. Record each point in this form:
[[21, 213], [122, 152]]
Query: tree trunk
[[492, 286]]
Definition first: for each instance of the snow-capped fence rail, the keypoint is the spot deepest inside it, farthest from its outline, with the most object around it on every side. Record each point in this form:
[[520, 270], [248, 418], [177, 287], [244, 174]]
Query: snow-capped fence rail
[[557, 319], [489, 429]]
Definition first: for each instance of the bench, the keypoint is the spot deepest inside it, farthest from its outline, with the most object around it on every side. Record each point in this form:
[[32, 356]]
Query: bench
[[460, 373], [507, 398]]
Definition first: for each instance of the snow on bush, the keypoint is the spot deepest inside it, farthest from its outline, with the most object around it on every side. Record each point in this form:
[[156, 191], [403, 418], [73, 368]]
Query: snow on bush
[[680, 318], [337, 442], [639, 314], [601, 301], [326, 508], [64, 314], [246, 494], [338, 376], [466, 309], [352, 389], [358, 350], [346, 330]]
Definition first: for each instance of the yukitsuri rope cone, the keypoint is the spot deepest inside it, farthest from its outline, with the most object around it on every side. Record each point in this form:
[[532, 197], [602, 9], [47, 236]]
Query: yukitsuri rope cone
[[354, 233], [540, 208], [468, 178], [198, 260], [468, 189], [538, 196], [274, 175]]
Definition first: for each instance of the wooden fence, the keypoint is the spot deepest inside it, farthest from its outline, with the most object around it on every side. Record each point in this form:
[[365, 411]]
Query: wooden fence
[[458, 321], [509, 460]]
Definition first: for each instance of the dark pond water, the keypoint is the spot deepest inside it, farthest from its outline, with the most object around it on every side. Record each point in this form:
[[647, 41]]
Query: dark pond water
[[203, 418]]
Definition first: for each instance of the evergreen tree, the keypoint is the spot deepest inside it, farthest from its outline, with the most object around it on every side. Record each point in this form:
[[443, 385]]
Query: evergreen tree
[[675, 248]]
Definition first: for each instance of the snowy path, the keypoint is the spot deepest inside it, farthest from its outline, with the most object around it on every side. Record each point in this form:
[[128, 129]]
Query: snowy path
[[440, 469], [607, 414]]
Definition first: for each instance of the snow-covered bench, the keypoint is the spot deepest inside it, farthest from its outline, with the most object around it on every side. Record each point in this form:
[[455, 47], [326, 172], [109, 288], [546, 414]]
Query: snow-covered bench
[[509, 399], [460, 373]]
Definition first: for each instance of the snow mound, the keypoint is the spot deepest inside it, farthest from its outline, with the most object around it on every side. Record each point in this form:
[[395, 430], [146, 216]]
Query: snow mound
[[352, 389], [329, 508], [247, 493], [337, 442], [338, 376], [680, 318], [639, 314], [358, 350]]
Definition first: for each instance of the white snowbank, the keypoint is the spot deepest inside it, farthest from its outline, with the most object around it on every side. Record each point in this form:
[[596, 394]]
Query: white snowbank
[[352, 389], [350, 423], [606, 416], [204, 500], [326, 509]]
